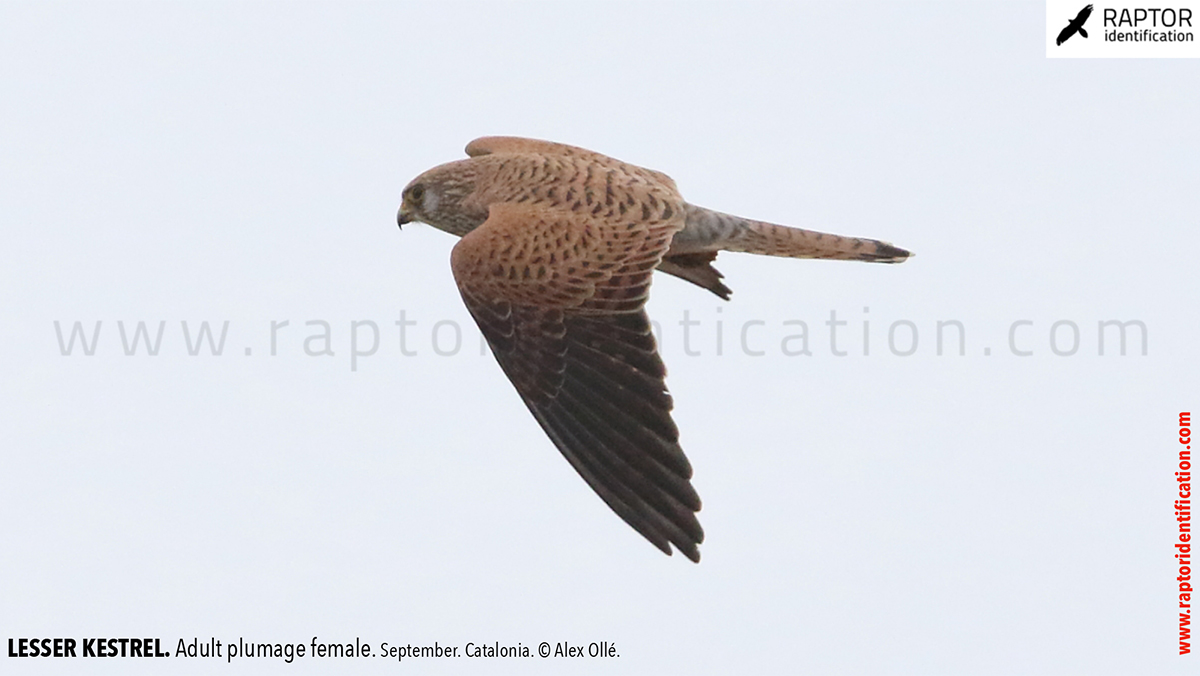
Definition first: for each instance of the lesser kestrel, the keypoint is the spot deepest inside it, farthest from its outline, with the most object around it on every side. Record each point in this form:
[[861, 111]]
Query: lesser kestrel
[[558, 248]]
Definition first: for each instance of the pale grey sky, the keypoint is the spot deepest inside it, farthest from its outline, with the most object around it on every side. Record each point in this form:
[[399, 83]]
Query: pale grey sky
[[867, 513]]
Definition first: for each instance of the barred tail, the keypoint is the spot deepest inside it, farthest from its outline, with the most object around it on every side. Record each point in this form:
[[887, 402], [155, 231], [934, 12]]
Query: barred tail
[[708, 230]]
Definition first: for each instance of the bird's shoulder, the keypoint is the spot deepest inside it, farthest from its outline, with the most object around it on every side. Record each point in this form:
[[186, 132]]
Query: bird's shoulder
[[523, 159]]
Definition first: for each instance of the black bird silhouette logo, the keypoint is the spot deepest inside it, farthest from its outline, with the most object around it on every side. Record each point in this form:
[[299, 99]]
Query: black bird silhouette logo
[[1076, 25]]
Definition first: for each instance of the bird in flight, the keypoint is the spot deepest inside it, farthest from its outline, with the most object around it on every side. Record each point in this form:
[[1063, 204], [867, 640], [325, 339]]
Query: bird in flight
[[1076, 26], [558, 248]]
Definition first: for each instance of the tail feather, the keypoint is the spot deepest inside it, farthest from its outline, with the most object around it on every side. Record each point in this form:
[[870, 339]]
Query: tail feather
[[697, 268], [708, 230]]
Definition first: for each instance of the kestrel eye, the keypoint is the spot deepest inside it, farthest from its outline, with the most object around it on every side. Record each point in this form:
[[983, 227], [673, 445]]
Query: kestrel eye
[[417, 192]]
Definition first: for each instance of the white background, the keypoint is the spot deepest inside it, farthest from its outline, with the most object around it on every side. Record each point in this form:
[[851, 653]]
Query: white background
[[1059, 13], [864, 514]]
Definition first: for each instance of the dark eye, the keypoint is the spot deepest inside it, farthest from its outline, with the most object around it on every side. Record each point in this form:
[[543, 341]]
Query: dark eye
[[417, 192]]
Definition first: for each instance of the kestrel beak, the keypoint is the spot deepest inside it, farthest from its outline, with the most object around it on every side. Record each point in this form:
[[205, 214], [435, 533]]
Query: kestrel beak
[[403, 217]]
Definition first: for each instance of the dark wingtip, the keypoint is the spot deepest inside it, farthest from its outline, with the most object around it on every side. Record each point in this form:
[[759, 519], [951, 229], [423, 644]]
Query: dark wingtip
[[692, 549], [692, 553]]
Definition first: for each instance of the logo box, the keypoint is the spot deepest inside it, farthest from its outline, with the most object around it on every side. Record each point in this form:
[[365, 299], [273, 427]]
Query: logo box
[[1140, 29]]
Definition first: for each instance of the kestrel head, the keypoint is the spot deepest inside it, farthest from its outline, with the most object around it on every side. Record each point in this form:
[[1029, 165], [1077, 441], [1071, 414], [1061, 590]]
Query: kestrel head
[[438, 197]]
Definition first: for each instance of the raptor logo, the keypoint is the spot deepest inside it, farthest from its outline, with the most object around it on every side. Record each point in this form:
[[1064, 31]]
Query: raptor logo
[[1076, 26]]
